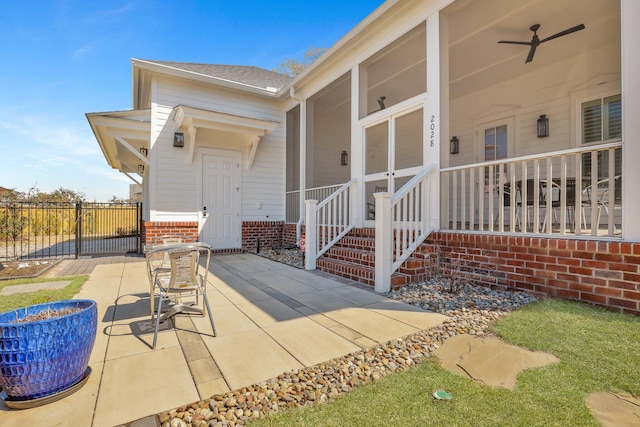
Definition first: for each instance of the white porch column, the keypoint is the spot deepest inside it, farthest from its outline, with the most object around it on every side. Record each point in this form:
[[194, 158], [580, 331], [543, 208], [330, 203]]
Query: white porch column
[[433, 117], [356, 156], [303, 155], [311, 243], [630, 14], [383, 242]]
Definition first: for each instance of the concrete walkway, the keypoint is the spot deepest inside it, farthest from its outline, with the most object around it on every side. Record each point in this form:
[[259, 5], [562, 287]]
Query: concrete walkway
[[270, 318]]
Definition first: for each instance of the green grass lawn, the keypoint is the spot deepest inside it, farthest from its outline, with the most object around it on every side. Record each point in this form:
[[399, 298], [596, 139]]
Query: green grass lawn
[[11, 302], [599, 351]]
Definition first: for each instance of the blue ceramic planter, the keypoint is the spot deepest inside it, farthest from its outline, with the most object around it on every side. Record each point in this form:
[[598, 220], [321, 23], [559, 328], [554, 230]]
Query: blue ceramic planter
[[43, 357]]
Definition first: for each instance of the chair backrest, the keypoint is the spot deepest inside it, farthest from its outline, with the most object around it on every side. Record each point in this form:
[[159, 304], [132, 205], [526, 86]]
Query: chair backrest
[[553, 194], [507, 195], [618, 190], [184, 268], [531, 195]]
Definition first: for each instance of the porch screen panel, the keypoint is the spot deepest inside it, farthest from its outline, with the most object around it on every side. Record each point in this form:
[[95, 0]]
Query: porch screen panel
[[377, 148], [394, 74], [408, 140]]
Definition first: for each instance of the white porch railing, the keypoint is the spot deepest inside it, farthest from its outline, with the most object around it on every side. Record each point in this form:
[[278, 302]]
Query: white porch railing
[[569, 192], [293, 200], [401, 225], [327, 222]]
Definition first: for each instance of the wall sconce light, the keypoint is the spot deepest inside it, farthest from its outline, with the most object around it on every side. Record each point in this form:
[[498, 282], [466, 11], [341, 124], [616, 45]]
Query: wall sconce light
[[543, 126], [454, 147], [178, 139], [344, 158], [141, 169], [143, 151]]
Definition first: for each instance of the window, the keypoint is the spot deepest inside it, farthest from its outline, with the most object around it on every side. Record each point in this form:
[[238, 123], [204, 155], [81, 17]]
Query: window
[[495, 148], [602, 122], [495, 143]]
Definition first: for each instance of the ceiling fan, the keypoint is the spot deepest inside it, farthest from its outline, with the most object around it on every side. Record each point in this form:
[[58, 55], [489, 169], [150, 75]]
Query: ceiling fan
[[535, 40]]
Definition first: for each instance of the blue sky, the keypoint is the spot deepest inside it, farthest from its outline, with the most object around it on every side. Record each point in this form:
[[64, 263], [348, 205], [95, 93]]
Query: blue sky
[[61, 59]]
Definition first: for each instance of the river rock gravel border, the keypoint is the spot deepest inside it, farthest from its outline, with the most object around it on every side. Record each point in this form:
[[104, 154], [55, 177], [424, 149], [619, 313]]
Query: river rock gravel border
[[472, 310]]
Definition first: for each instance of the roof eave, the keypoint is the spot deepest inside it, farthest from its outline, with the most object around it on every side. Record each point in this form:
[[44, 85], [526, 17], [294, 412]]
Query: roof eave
[[141, 64]]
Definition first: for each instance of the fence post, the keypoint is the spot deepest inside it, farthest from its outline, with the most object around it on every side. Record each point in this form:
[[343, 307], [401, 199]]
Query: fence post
[[383, 242], [78, 228], [311, 236], [139, 225]]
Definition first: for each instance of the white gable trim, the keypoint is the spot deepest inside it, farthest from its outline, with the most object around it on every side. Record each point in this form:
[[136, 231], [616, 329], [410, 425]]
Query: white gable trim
[[120, 135], [191, 119]]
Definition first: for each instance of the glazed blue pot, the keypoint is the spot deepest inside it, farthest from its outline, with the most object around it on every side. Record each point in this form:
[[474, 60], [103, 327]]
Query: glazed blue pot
[[40, 358]]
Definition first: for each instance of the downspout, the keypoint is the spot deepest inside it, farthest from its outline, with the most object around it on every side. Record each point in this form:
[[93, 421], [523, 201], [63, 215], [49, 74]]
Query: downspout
[[303, 156]]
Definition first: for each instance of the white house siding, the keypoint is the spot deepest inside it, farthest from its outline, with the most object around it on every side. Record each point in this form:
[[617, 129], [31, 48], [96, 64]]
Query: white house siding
[[174, 179]]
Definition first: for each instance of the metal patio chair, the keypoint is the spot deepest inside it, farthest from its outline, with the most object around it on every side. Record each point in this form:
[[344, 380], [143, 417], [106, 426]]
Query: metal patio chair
[[183, 288]]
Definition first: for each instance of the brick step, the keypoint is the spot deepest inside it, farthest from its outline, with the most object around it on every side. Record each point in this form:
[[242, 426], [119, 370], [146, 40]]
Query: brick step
[[354, 242], [363, 232], [359, 273], [356, 256]]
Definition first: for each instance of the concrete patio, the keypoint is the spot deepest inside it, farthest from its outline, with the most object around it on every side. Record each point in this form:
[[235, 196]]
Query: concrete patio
[[270, 318]]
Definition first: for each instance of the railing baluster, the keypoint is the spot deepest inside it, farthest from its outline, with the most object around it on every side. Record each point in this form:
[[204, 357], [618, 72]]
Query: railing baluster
[[463, 199], [455, 201], [559, 188], [481, 198]]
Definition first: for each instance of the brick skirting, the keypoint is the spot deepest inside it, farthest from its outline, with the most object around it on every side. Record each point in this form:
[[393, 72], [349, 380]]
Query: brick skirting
[[598, 272], [289, 237], [152, 230], [268, 234]]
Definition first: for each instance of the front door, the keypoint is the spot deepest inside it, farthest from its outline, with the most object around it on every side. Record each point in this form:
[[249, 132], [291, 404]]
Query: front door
[[393, 155], [221, 227]]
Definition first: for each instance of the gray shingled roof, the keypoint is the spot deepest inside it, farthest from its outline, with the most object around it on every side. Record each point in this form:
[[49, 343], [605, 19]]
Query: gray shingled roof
[[248, 75]]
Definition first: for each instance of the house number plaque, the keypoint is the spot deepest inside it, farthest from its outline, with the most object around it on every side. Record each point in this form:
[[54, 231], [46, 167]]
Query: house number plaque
[[432, 130]]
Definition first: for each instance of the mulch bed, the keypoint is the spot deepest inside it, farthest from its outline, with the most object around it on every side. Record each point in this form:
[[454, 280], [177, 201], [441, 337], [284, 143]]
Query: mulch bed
[[15, 269]]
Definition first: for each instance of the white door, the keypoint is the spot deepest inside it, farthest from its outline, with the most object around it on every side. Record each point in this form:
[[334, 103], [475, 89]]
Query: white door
[[221, 227]]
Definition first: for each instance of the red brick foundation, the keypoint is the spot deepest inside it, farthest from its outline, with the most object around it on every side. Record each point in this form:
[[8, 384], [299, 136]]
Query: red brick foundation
[[268, 233], [289, 235], [152, 230], [598, 272]]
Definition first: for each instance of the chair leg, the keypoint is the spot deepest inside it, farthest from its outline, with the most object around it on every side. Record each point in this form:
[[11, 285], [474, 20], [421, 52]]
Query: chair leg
[[158, 314], [206, 302]]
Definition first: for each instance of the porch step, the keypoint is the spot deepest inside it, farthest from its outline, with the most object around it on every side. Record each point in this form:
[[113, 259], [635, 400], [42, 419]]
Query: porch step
[[353, 257], [359, 273]]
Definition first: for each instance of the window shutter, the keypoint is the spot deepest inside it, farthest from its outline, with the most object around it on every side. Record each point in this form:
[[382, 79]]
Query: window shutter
[[591, 122], [613, 117]]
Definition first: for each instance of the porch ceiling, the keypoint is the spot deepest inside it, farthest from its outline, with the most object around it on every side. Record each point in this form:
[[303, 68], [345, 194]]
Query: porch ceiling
[[476, 60], [121, 135]]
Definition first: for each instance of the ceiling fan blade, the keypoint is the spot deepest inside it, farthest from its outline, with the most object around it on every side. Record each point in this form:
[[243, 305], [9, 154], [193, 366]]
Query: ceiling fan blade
[[532, 52], [564, 33], [510, 42]]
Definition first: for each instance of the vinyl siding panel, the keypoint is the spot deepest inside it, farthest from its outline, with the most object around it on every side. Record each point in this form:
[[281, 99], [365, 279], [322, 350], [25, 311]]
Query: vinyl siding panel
[[176, 180]]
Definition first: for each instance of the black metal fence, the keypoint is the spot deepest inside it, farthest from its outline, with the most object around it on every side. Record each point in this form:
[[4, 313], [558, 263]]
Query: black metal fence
[[54, 230]]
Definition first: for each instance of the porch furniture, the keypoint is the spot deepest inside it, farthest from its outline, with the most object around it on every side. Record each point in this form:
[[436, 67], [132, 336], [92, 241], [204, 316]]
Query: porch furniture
[[530, 200], [506, 203], [617, 198], [602, 198], [158, 261], [552, 198], [181, 287], [371, 207]]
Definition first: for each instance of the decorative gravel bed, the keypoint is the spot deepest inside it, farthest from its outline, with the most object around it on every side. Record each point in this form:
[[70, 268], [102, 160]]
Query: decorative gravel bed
[[471, 310]]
